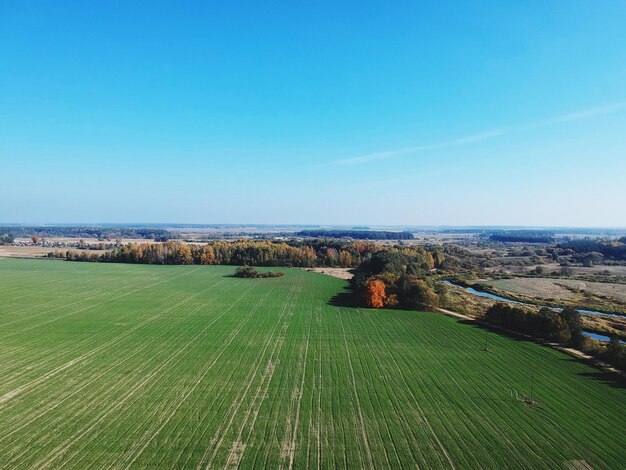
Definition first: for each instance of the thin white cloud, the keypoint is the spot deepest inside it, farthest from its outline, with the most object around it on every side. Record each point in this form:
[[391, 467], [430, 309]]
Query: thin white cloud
[[576, 116]]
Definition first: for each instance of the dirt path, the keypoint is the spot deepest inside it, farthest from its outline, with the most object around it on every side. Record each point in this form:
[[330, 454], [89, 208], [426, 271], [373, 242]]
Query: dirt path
[[450, 313]]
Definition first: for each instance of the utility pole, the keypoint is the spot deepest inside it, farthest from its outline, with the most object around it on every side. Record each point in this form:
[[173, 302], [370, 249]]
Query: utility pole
[[532, 379], [486, 339]]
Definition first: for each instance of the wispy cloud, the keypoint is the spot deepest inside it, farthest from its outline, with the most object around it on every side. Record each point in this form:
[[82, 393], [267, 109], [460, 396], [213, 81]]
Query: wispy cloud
[[490, 134]]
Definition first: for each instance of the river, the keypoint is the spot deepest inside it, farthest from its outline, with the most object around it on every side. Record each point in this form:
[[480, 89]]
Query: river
[[597, 336]]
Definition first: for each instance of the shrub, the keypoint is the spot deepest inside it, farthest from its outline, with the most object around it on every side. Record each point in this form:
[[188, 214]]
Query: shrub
[[251, 273]]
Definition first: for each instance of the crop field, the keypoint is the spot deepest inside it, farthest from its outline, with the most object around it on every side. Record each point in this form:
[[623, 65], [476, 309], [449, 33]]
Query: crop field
[[105, 365]]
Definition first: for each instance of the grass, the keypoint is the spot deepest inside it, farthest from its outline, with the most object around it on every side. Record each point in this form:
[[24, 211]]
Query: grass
[[185, 366], [601, 296], [542, 288]]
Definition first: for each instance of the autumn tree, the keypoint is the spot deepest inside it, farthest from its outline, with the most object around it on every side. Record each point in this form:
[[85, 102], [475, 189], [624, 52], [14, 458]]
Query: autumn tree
[[345, 259], [416, 293], [207, 255], [331, 256], [183, 254], [375, 293]]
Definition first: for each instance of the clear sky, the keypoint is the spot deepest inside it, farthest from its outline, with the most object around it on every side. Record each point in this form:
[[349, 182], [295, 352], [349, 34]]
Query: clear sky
[[430, 113]]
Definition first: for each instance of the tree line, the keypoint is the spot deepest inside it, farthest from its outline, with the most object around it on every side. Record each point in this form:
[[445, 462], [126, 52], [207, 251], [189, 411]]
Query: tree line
[[307, 254], [357, 234], [611, 249], [102, 233], [522, 236], [563, 327]]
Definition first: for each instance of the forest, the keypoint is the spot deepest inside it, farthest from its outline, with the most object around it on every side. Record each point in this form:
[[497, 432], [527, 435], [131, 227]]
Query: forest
[[608, 248], [312, 253], [522, 236]]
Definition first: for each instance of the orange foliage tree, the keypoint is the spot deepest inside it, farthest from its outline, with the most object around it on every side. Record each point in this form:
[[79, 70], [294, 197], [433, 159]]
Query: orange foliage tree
[[375, 293]]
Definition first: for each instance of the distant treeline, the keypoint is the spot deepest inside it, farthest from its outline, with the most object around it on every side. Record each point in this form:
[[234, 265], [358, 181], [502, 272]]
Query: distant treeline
[[309, 253], [103, 233], [6, 238], [523, 236], [326, 252], [357, 234], [473, 230], [610, 249]]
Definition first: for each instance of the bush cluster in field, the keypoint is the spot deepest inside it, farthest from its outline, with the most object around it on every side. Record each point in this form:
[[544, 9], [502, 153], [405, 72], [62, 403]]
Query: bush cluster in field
[[251, 273]]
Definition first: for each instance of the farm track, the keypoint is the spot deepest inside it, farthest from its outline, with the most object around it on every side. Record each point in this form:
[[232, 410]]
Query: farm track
[[177, 367]]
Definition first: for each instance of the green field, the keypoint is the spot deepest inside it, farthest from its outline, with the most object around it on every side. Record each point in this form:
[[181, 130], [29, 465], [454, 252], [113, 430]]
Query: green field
[[185, 366]]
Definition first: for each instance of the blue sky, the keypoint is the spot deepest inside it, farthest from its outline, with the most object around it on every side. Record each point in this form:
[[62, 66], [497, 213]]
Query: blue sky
[[430, 113]]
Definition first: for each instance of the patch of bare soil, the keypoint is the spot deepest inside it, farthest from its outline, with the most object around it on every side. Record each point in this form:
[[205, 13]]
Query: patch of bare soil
[[341, 273], [578, 465]]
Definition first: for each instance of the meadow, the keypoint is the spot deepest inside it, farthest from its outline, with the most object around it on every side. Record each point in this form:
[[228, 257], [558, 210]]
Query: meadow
[[565, 289], [118, 365]]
